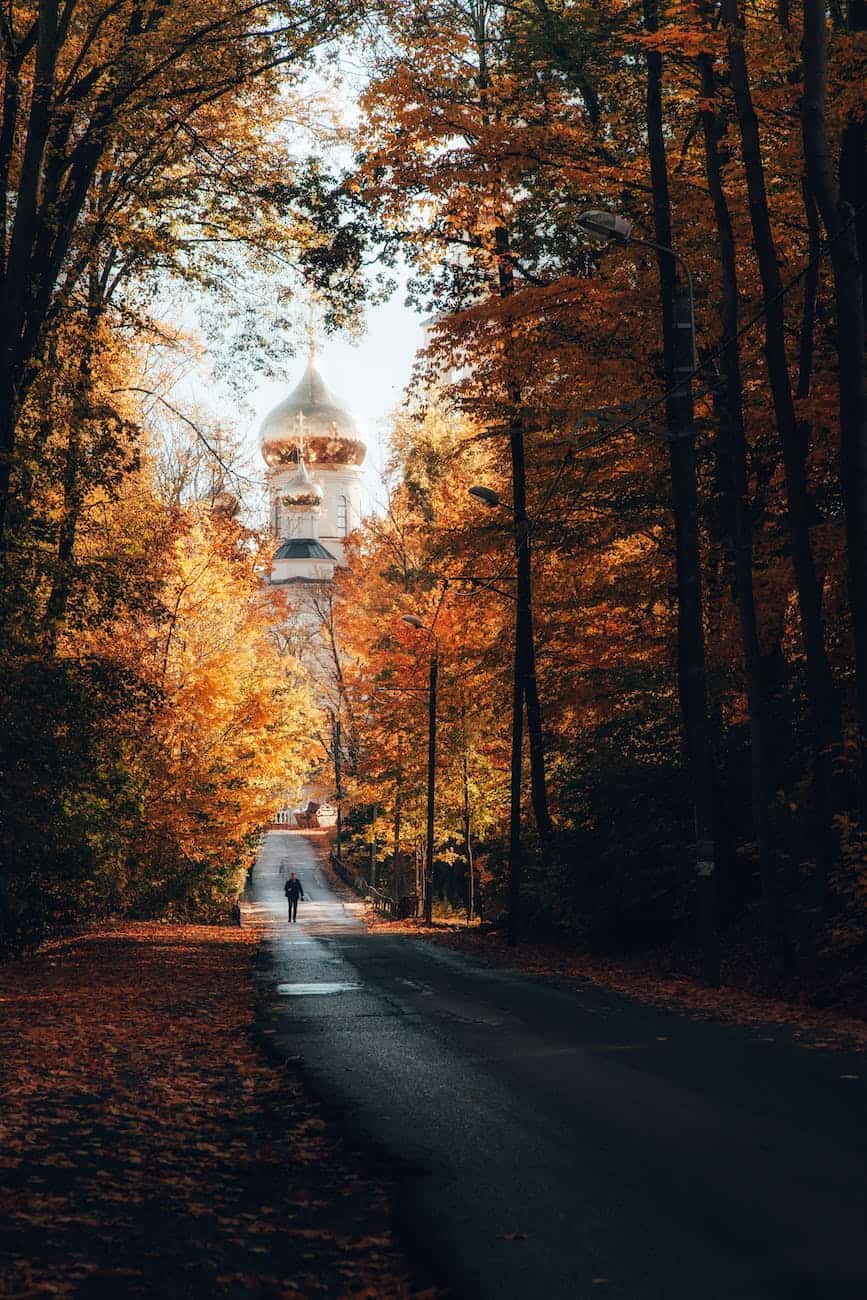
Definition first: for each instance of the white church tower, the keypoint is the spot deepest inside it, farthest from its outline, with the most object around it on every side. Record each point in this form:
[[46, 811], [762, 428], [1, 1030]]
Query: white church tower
[[314, 454]]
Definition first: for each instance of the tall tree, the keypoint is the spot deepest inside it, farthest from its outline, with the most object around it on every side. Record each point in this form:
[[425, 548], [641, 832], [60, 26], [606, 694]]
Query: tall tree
[[820, 683], [84, 82], [841, 225], [732, 452], [677, 322]]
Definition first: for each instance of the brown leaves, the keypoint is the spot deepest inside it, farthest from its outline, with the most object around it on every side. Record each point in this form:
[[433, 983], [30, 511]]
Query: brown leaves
[[146, 1139]]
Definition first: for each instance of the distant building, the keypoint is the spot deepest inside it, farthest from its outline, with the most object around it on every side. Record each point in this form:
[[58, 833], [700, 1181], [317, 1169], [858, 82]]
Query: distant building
[[314, 453], [311, 445]]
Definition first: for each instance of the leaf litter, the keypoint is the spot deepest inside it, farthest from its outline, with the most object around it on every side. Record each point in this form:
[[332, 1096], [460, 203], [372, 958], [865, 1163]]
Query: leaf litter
[[150, 1149]]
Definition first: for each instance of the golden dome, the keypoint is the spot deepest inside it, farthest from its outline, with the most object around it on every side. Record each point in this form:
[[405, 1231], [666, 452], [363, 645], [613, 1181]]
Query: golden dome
[[300, 491], [312, 417]]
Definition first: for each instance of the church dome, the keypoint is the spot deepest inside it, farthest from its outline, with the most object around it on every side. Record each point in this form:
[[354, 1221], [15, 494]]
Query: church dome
[[312, 417], [300, 491]]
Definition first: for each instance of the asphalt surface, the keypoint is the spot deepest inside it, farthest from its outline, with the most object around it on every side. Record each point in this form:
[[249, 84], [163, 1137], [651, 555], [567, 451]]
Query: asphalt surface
[[547, 1142]]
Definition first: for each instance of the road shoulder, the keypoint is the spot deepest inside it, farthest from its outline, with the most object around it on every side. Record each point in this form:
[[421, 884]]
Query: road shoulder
[[808, 1025]]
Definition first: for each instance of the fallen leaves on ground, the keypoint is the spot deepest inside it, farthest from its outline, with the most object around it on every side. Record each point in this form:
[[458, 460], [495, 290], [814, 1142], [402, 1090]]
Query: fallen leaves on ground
[[150, 1149]]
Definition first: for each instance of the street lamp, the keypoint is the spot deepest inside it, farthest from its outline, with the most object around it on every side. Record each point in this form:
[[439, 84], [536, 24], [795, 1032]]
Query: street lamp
[[606, 226], [683, 363], [524, 662], [413, 621], [486, 495], [610, 227]]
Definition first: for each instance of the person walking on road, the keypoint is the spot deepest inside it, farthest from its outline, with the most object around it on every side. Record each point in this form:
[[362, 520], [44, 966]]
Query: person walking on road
[[293, 890]]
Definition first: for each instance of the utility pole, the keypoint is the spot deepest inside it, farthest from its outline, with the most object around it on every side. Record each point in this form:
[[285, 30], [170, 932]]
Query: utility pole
[[431, 783], [680, 357], [412, 620], [338, 790], [692, 670]]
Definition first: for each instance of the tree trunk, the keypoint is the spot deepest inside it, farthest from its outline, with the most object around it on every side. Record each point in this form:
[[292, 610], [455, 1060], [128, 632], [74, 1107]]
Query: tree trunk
[[398, 799], [516, 860], [732, 453], [525, 684], [431, 787], [16, 284], [824, 715], [338, 788], [811, 291], [524, 631], [678, 360], [419, 876], [524, 619], [839, 221], [853, 160], [468, 838], [73, 491]]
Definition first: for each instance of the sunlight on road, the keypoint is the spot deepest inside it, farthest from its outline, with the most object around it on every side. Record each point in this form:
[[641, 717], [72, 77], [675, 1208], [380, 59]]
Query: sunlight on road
[[322, 912], [304, 990]]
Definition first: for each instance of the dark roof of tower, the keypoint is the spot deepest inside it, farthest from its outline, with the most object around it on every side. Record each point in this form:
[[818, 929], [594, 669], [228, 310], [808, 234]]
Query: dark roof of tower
[[303, 548]]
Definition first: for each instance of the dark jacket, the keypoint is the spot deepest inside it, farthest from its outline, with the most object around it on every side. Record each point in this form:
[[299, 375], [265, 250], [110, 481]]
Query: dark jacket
[[293, 890]]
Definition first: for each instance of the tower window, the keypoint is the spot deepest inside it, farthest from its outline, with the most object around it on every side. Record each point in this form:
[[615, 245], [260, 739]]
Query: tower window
[[342, 516]]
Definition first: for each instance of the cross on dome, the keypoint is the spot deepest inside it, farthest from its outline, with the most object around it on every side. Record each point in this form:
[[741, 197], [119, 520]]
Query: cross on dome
[[301, 492], [302, 429], [312, 333]]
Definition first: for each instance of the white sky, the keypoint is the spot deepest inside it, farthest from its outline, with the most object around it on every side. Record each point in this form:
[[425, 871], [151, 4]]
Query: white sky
[[369, 374]]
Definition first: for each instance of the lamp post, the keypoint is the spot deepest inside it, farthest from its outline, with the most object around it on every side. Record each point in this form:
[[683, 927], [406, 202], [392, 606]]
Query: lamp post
[[681, 363], [489, 498], [486, 495], [609, 227], [412, 620]]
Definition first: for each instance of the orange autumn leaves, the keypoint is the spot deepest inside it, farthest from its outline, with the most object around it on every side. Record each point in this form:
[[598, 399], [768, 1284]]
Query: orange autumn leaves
[[151, 725], [159, 730], [146, 1138], [229, 736], [236, 719]]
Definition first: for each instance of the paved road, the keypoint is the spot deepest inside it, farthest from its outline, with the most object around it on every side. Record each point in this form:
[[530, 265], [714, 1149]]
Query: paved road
[[639, 1155]]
